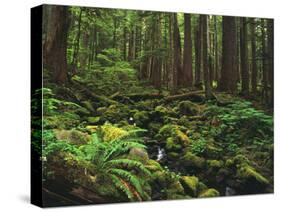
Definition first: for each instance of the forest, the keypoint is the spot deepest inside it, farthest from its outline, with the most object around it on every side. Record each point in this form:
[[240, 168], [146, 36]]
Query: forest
[[146, 105]]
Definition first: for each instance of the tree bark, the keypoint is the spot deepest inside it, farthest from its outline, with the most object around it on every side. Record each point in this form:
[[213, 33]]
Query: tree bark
[[178, 77], [228, 71], [208, 92], [244, 57], [187, 55], [56, 44], [254, 62]]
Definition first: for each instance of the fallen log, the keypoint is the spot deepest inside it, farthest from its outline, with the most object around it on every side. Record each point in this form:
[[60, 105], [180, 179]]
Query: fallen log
[[139, 96], [196, 96], [92, 95]]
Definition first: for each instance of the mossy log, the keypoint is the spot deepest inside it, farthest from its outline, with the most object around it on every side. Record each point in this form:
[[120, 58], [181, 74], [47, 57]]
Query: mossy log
[[139, 96], [83, 89], [196, 96]]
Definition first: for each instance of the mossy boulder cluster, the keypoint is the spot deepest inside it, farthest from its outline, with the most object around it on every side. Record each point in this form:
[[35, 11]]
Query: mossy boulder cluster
[[205, 150]]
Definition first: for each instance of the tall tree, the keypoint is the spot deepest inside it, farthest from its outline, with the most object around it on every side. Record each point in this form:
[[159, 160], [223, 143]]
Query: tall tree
[[178, 75], [254, 62], [187, 52], [228, 70], [270, 47], [244, 56], [56, 44], [205, 45], [198, 52]]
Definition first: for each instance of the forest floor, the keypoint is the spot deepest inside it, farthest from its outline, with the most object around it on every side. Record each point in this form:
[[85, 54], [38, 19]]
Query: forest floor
[[192, 147]]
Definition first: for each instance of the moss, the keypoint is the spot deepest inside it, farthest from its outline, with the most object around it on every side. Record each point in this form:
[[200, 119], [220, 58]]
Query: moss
[[229, 163], [248, 172], [201, 187], [153, 166], [110, 132], [173, 155], [190, 184], [73, 136], [211, 192], [174, 135], [101, 110], [240, 159], [93, 120], [161, 110], [191, 160], [92, 128], [212, 151], [188, 108], [174, 188], [141, 118], [171, 145], [139, 154], [215, 164]]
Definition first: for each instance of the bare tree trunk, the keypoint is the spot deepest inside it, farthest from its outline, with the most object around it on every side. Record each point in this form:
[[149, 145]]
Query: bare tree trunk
[[177, 54], [56, 44], [254, 63], [187, 54], [198, 53], [208, 92], [244, 57]]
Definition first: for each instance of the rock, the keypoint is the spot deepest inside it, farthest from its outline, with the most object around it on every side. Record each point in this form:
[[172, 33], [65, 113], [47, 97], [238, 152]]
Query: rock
[[72, 136], [189, 160], [175, 189], [211, 192], [175, 138], [188, 108], [139, 154], [110, 132], [248, 173], [215, 164], [190, 185]]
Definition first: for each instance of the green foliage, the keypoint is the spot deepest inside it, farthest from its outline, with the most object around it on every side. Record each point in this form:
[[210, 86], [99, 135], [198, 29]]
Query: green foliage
[[198, 147], [108, 160]]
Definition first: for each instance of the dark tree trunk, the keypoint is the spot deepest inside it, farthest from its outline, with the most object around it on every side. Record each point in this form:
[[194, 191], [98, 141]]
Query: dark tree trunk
[[77, 42], [205, 48], [177, 54], [254, 62], [228, 71], [198, 53], [56, 44], [187, 54], [270, 47], [244, 57]]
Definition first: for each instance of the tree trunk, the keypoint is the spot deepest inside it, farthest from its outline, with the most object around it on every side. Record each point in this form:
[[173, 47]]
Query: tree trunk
[[77, 43], [254, 62], [177, 54], [228, 71], [187, 55], [56, 44], [208, 92], [244, 57], [270, 47], [198, 53]]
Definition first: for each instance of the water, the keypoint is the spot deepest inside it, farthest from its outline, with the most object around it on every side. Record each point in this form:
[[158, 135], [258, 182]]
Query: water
[[161, 154]]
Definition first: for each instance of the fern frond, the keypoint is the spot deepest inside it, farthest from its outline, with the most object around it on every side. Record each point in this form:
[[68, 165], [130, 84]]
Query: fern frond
[[130, 178], [130, 164], [122, 186]]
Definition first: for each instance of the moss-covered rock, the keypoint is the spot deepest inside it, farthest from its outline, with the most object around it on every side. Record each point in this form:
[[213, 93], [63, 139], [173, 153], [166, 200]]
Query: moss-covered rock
[[139, 154], [211, 192], [188, 108], [111, 132], [212, 151], [215, 164], [190, 160], [248, 173], [72, 136], [174, 190], [190, 184], [93, 120], [175, 138], [173, 155]]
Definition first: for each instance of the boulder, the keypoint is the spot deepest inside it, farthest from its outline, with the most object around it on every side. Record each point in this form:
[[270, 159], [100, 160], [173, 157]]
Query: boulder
[[190, 160], [72, 136], [190, 185], [211, 192], [188, 108]]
